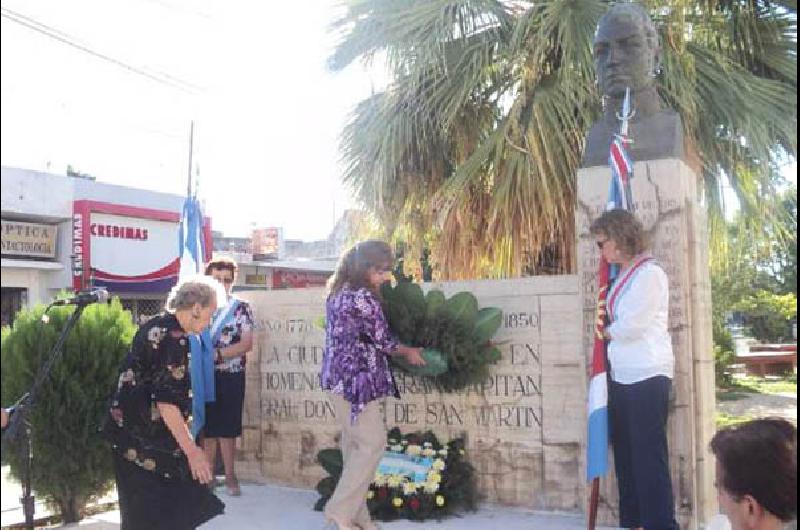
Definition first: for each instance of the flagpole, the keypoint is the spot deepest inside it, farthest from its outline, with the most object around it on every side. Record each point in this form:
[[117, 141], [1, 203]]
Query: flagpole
[[594, 500], [622, 137], [191, 151]]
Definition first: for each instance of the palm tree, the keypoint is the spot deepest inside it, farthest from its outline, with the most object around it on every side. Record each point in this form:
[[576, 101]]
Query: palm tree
[[473, 147]]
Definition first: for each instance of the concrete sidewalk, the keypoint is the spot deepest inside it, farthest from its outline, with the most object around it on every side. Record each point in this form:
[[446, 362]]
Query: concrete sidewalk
[[278, 508]]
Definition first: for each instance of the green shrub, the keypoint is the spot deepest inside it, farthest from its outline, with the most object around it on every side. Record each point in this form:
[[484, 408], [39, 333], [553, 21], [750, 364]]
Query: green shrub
[[767, 315], [723, 359], [72, 464]]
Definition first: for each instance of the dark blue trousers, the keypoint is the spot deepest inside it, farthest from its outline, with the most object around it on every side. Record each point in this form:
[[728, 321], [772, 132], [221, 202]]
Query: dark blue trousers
[[638, 422]]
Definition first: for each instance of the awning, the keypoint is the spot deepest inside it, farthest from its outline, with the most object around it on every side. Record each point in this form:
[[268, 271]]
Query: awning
[[31, 264]]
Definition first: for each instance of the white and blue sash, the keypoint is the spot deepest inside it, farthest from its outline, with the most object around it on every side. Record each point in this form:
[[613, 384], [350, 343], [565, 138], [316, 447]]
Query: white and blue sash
[[223, 317]]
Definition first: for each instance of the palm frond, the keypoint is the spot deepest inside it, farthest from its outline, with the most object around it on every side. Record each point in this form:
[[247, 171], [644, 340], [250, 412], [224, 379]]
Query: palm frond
[[474, 147]]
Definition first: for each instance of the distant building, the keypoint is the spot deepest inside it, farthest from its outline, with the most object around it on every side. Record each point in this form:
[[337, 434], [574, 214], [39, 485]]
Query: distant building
[[271, 262], [71, 232], [222, 243]]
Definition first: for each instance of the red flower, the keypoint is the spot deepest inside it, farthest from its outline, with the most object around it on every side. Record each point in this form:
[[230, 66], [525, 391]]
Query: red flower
[[414, 503]]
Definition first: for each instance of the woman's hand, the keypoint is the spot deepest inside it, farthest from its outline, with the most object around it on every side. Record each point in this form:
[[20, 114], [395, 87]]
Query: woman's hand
[[198, 463], [414, 356]]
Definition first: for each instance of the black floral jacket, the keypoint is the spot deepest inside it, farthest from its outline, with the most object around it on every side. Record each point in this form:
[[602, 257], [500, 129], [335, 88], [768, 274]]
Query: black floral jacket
[[156, 370]]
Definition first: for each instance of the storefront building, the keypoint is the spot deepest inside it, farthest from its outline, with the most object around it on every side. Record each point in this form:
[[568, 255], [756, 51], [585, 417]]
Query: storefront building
[[267, 275], [66, 233]]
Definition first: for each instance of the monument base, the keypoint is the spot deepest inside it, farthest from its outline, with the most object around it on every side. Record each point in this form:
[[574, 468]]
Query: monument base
[[667, 199]]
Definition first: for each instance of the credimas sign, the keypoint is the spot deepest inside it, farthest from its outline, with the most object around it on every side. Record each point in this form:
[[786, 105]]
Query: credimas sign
[[119, 232], [125, 249]]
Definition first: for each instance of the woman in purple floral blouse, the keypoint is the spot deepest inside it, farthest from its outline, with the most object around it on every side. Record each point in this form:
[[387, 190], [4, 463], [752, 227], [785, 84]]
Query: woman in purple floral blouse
[[355, 370]]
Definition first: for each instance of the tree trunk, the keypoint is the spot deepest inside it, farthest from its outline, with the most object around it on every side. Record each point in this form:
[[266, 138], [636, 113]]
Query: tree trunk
[[70, 509]]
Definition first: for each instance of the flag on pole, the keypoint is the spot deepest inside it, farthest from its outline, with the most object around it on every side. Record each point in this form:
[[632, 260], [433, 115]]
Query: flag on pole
[[191, 243], [619, 197], [192, 251]]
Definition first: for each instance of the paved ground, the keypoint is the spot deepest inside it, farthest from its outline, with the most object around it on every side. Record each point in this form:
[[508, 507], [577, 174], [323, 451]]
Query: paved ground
[[277, 508], [761, 405]]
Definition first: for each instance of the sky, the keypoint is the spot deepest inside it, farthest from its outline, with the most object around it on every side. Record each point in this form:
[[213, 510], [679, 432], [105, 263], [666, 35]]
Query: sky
[[267, 113]]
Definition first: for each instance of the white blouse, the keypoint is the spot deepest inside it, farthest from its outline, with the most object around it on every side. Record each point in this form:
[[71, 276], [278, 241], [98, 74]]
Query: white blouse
[[640, 346]]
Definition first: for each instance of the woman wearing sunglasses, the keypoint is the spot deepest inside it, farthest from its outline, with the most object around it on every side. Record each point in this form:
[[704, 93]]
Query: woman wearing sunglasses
[[232, 334], [641, 368]]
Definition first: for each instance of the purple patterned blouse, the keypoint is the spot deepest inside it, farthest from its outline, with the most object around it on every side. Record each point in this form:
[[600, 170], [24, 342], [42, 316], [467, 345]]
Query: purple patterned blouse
[[357, 344]]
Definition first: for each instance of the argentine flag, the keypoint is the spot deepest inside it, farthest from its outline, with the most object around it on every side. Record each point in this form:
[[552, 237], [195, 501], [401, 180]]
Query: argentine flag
[[619, 197], [192, 252]]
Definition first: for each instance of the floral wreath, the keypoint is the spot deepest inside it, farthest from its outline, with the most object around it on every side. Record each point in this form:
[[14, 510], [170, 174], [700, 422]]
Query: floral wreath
[[447, 488]]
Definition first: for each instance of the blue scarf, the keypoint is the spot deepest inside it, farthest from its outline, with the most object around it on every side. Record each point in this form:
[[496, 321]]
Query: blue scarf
[[202, 369]]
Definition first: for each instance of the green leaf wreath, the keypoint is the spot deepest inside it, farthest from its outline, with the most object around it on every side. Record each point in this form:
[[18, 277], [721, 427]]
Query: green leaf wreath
[[449, 487], [453, 330]]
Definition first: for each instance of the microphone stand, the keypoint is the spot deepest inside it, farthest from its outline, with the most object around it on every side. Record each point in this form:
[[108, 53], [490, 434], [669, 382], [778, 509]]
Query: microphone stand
[[19, 428]]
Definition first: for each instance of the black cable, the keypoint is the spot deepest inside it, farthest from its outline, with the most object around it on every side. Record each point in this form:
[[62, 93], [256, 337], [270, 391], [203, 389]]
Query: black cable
[[62, 37]]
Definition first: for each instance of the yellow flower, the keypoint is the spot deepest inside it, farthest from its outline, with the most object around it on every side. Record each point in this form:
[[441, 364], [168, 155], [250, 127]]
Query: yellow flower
[[440, 500], [394, 481], [413, 450], [431, 487], [462, 452], [409, 488], [438, 464], [397, 502], [370, 495], [380, 480], [434, 477]]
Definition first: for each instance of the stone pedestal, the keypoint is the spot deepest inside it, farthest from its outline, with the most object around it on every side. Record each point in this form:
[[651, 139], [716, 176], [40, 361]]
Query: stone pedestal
[[668, 202], [524, 425]]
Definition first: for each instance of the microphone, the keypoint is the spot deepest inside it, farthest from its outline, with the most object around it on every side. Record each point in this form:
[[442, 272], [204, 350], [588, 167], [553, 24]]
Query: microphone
[[89, 296]]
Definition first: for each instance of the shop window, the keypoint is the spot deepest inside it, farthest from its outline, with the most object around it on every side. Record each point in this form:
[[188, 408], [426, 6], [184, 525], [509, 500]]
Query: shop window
[[12, 299], [143, 309]]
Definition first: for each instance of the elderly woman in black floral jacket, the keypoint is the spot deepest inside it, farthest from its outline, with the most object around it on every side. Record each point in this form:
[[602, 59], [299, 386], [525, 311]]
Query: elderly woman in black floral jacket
[[160, 471]]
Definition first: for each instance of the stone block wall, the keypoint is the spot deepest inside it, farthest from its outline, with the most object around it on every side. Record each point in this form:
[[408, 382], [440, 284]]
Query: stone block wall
[[524, 424]]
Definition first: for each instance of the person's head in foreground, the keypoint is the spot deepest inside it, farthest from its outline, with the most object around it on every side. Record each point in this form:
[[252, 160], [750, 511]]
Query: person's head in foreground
[[757, 473]]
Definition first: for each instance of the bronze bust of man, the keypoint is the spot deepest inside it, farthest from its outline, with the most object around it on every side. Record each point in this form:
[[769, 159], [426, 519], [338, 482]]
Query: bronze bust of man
[[627, 54]]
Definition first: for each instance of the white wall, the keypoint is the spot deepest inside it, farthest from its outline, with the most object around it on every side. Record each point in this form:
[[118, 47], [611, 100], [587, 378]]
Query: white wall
[[101, 191], [36, 282], [36, 195]]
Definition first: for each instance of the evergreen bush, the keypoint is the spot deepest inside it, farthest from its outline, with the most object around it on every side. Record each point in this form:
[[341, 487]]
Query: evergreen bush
[[71, 461]]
